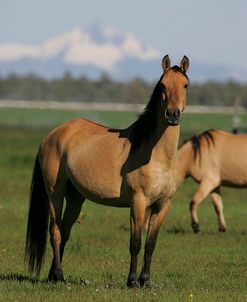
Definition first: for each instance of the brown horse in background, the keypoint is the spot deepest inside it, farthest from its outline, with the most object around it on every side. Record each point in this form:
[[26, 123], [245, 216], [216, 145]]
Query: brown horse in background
[[132, 167], [214, 158]]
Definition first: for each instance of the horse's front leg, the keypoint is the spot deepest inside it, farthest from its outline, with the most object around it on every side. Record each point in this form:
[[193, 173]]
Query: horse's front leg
[[205, 187], [157, 217], [137, 215]]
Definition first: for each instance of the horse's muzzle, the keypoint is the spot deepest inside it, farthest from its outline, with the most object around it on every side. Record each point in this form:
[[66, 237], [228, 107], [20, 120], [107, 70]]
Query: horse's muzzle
[[172, 116]]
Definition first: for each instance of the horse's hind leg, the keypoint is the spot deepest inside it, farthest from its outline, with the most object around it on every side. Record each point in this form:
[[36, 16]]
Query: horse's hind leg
[[218, 205], [56, 207], [74, 201], [60, 229]]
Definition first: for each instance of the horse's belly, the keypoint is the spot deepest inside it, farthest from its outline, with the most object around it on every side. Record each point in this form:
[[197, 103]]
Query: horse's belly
[[108, 190], [234, 182], [235, 176], [112, 202]]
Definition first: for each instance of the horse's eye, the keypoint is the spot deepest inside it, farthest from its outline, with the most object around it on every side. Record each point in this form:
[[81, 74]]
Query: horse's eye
[[186, 86]]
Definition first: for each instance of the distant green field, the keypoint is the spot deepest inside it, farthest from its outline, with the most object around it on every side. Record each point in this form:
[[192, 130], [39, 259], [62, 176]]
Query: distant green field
[[49, 118], [186, 267]]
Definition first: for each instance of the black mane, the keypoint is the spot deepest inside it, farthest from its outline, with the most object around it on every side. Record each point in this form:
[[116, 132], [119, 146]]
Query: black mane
[[145, 125], [196, 141]]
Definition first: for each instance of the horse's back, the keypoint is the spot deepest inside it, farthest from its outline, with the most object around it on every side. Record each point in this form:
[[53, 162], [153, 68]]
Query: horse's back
[[80, 130], [231, 145]]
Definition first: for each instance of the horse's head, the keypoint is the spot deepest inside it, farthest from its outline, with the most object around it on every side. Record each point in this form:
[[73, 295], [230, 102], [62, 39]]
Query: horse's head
[[175, 83]]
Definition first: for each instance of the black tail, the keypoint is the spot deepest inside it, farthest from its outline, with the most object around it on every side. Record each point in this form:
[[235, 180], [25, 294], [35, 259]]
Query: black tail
[[38, 219]]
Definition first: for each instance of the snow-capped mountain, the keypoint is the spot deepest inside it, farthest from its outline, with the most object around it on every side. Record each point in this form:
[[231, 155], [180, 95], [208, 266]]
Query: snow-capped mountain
[[95, 50]]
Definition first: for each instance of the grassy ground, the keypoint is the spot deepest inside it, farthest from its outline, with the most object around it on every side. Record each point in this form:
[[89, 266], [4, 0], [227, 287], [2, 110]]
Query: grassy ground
[[186, 267]]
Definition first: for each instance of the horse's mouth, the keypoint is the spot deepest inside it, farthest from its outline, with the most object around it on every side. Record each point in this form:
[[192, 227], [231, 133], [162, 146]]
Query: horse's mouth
[[172, 122], [172, 116]]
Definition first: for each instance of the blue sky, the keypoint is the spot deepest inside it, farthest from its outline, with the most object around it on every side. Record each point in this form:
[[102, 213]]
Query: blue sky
[[212, 31]]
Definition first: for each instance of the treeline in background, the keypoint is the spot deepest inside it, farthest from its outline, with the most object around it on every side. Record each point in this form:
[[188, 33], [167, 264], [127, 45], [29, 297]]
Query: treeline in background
[[68, 88]]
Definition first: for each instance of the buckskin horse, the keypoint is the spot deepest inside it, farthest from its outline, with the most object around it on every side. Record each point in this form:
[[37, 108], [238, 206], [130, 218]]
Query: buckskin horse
[[214, 158], [132, 167]]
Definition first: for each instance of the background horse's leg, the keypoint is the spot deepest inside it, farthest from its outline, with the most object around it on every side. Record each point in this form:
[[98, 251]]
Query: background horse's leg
[[218, 205], [74, 201], [155, 222], [205, 187], [137, 215]]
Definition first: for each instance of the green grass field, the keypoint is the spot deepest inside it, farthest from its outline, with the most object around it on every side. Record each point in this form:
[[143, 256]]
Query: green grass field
[[186, 267]]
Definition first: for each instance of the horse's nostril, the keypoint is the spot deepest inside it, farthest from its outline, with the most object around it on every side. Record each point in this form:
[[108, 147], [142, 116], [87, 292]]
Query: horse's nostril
[[168, 113], [177, 113]]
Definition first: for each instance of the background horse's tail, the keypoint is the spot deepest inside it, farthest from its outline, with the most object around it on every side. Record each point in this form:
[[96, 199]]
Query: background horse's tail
[[38, 219]]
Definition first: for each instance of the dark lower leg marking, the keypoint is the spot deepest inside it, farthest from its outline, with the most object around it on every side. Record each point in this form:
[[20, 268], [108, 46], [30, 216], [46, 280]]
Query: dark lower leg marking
[[135, 246], [195, 227], [144, 278]]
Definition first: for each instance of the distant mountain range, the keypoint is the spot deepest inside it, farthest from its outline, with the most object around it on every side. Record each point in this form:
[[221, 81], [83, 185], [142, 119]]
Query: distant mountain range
[[93, 51]]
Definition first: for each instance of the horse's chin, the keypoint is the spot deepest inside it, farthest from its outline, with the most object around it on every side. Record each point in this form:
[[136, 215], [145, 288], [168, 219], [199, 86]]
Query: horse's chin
[[173, 123]]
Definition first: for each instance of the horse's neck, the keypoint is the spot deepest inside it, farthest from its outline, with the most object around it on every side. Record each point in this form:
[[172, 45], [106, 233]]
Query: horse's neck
[[184, 162], [171, 137], [168, 143]]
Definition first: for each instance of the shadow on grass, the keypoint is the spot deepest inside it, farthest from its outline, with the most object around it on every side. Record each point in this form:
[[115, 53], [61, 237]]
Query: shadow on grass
[[17, 277], [176, 230], [22, 278]]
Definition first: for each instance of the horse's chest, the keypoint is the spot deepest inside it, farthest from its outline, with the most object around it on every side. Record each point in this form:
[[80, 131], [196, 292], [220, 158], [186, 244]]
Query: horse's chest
[[157, 183], [162, 189]]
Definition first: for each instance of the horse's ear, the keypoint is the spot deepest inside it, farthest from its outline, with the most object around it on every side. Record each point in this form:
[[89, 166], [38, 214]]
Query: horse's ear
[[166, 63], [184, 65]]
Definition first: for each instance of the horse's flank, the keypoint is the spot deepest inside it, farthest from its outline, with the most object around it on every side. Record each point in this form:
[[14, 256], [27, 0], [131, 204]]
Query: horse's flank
[[92, 157]]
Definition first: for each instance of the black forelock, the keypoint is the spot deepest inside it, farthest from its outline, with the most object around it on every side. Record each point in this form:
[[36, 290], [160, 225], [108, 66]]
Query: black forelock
[[176, 68]]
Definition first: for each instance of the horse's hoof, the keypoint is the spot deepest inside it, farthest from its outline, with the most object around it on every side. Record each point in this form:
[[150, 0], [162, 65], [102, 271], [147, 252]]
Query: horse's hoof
[[222, 229], [144, 280], [133, 284], [195, 227], [55, 279], [55, 276]]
